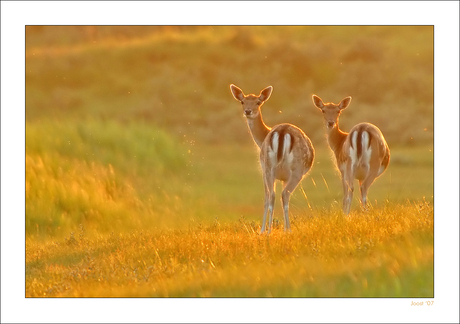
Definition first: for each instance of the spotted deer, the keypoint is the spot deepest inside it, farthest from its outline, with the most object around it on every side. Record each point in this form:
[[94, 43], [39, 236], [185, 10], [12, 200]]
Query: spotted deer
[[286, 153], [362, 154]]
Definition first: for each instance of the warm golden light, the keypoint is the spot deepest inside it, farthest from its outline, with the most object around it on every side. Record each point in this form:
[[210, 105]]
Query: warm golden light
[[142, 178]]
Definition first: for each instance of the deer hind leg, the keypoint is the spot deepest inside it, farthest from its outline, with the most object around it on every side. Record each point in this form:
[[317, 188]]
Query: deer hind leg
[[289, 187], [269, 185], [365, 184], [363, 191]]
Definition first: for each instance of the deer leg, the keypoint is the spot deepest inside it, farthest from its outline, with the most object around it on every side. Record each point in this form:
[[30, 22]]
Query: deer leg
[[347, 182], [365, 185], [347, 196], [271, 206], [264, 219], [269, 186], [289, 187]]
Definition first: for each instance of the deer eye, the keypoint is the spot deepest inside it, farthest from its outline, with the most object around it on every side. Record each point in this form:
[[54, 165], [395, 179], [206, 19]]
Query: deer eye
[[259, 103]]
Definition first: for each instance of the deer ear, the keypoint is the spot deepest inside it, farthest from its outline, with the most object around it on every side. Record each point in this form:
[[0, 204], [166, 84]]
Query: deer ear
[[317, 101], [345, 103], [237, 93], [266, 93]]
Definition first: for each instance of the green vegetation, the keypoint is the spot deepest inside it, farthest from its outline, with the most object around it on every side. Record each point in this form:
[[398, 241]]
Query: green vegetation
[[85, 172], [142, 178]]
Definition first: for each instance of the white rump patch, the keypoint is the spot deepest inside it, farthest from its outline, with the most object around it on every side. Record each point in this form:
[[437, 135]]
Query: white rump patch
[[275, 141], [287, 147], [287, 142], [353, 148], [367, 150], [274, 148]]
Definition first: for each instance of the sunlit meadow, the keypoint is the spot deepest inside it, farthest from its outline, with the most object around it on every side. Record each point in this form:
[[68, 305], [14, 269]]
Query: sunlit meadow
[[142, 179]]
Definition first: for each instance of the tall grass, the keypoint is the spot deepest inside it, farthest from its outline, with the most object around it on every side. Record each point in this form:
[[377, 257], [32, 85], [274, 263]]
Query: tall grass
[[88, 173], [385, 253]]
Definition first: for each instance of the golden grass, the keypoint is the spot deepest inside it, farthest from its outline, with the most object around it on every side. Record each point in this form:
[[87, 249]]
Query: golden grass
[[381, 253]]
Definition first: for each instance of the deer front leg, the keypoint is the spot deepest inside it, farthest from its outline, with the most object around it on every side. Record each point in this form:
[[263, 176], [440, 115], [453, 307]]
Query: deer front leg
[[268, 209], [264, 219], [347, 196], [269, 203], [347, 182]]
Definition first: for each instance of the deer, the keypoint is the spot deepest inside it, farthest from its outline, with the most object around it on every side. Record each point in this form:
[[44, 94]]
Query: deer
[[286, 153], [361, 154]]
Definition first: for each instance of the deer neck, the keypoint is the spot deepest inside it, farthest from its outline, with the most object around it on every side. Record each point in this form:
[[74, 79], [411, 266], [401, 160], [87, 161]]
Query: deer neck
[[336, 138], [258, 129]]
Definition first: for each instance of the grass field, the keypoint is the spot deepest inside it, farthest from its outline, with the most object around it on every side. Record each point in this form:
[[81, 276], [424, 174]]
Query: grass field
[[385, 253], [142, 179]]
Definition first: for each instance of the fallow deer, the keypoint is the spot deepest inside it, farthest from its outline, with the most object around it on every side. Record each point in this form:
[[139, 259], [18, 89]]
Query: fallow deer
[[362, 154], [286, 153]]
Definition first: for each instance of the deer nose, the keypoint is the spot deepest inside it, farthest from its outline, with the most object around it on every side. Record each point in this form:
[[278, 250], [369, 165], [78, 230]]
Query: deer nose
[[330, 124], [247, 112]]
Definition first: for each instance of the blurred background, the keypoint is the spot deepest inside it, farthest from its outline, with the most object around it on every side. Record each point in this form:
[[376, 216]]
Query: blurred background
[[177, 77], [136, 124]]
